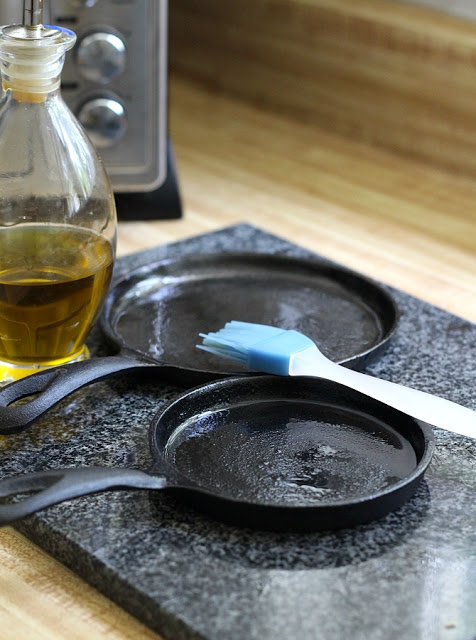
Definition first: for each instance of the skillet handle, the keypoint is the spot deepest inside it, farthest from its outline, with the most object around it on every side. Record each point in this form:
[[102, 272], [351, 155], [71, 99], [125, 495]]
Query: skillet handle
[[58, 485], [52, 385]]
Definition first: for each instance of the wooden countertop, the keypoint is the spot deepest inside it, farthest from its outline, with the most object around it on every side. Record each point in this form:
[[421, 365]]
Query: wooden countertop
[[405, 223], [384, 72]]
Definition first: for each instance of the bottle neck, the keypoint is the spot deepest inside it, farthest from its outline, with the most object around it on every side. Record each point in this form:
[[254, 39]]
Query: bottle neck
[[31, 80], [31, 66]]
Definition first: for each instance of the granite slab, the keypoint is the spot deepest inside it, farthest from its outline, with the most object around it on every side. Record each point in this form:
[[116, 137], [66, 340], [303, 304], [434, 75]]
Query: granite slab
[[411, 575]]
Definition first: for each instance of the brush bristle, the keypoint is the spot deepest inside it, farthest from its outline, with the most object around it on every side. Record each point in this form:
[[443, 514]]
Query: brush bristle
[[235, 339]]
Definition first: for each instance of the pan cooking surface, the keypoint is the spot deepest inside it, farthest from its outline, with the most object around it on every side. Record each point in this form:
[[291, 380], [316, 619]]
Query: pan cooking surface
[[292, 453], [161, 312], [166, 324]]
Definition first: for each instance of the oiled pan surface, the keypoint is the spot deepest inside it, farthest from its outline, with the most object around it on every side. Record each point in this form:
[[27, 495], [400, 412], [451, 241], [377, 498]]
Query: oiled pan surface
[[159, 311], [296, 453]]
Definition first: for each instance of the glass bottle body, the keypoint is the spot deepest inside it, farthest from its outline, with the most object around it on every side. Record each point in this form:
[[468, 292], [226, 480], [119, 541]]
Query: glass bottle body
[[57, 233]]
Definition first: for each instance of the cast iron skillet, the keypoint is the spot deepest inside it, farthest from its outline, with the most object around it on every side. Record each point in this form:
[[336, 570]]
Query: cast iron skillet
[[154, 315], [263, 451]]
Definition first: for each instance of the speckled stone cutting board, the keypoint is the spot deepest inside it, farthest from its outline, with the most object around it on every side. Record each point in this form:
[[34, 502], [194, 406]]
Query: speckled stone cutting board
[[411, 575]]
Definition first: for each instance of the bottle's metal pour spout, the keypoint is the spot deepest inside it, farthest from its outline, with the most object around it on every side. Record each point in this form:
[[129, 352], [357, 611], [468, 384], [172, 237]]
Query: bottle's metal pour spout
[[32, 27], [32, 13]]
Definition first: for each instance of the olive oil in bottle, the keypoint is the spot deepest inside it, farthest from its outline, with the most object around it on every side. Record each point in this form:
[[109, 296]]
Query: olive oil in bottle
[[53, 281]]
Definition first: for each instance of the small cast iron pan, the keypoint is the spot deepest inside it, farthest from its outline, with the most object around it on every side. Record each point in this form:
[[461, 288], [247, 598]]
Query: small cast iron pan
[[262, 451], [153, 318]]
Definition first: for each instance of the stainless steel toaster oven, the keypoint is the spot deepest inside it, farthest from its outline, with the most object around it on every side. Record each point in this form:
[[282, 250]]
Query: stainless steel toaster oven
[[115, 81]]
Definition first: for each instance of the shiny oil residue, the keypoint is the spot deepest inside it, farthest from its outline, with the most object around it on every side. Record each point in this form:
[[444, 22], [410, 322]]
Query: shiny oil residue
[[290, 453], [162, 317]]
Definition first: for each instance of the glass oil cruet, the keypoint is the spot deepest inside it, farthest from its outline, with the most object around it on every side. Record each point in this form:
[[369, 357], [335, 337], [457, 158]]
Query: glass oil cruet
[[57, 211]]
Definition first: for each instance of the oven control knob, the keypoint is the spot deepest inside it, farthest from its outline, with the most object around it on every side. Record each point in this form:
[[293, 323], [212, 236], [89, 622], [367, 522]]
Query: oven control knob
[[101, 57], [104, 120]]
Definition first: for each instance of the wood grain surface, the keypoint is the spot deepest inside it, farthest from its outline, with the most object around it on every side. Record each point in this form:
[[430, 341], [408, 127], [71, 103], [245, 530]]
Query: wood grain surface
[[387, 73], [396, 219]]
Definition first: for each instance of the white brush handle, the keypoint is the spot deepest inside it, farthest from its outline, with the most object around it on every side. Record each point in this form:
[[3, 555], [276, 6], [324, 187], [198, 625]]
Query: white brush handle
[[423, 406]]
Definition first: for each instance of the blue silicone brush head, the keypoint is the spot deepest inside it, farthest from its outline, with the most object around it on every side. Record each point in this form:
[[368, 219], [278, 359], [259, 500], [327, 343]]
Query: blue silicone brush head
[[258, 346]]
